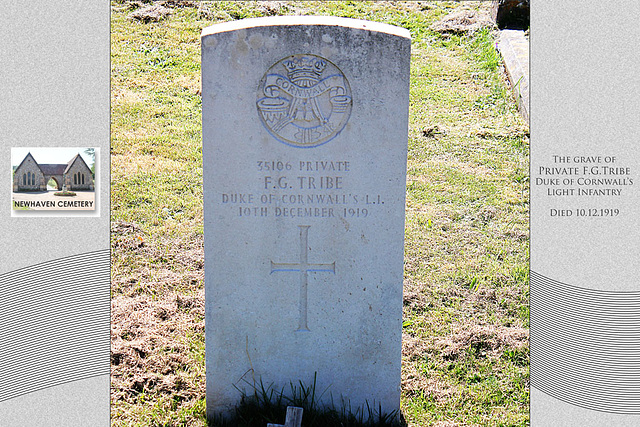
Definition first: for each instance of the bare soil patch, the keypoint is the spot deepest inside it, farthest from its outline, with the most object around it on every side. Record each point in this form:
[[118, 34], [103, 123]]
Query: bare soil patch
[[463, 21], [153, 13]]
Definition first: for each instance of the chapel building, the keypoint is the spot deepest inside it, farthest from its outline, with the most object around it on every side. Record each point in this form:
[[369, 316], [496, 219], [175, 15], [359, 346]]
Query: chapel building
[[33, 176]]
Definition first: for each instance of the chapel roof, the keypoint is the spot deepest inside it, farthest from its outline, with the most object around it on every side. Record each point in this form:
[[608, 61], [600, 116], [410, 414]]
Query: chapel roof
[[52, 169], [25, 159], [77, 156]]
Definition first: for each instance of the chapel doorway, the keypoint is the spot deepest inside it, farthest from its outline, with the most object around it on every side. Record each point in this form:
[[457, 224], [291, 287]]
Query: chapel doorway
[[53, 184]]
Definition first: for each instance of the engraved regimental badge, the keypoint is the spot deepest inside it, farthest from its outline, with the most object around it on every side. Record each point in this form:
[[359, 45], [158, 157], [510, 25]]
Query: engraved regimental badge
[[304, 101]]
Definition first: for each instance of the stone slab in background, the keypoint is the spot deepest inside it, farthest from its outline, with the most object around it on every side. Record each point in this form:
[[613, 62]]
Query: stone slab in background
[[305, 127], [514, 48]]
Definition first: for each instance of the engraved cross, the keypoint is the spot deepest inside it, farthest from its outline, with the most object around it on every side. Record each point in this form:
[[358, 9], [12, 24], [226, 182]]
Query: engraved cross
[[303, 267]]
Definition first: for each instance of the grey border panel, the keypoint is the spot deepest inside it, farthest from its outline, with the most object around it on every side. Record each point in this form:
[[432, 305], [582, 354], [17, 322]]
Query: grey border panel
[[54, 86], [584, 102]]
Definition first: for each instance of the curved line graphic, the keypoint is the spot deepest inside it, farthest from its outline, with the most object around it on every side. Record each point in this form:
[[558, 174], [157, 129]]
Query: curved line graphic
[[36, 389], [55, 323], [585, 346]]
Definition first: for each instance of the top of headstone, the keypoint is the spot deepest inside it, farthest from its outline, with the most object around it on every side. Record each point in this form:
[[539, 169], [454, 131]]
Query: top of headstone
[[331, 21]]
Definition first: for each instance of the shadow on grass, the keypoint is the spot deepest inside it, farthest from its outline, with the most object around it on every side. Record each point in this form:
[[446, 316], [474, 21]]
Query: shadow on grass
[[268, 405]]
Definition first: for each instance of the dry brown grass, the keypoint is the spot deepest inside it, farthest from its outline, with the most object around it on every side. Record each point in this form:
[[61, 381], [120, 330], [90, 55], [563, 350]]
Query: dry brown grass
[[485, 341], [149, 349], [152, 352], [143, 163], [472, 16]]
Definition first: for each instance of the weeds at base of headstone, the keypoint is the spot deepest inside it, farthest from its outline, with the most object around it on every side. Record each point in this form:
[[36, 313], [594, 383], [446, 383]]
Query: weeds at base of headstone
[[264, 404]]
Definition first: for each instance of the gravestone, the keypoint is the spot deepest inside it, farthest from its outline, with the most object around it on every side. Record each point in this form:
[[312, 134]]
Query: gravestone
[[305, 123]]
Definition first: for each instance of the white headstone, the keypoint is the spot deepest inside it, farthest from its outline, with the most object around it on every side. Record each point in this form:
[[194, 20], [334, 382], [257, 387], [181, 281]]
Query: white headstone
[[305, 123]]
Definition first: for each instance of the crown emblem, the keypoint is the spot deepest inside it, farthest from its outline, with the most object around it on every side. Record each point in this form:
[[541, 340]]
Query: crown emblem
[[304, 71], [304, 100]]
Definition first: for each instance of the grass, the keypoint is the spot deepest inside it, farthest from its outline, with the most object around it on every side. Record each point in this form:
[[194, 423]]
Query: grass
[[465, 329]]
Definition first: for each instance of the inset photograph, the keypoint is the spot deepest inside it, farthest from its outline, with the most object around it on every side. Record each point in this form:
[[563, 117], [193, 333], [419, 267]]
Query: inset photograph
[[53, 179]]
